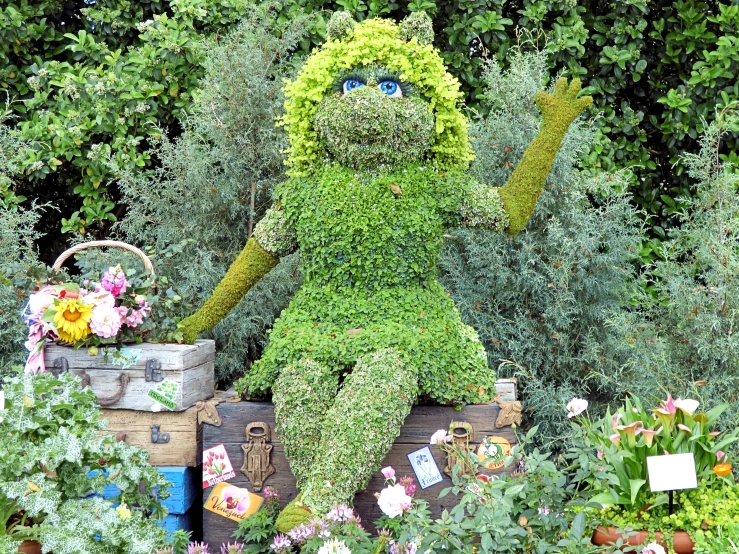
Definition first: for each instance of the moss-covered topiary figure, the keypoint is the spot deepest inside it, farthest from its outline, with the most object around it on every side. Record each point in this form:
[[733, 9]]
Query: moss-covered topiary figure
[[378, 149]]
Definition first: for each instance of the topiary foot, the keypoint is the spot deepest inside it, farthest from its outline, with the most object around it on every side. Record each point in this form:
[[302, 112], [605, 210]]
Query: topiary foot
[[292, 515]]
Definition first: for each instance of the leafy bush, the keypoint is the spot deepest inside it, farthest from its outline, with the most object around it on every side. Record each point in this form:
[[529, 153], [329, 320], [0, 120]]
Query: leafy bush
[[50, 461]]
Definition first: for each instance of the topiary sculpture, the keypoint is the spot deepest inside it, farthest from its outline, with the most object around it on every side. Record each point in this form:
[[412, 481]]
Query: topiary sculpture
[[378, 149]]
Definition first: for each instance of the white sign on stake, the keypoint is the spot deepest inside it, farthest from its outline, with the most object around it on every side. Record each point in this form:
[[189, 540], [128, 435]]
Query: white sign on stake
[[672, 472]]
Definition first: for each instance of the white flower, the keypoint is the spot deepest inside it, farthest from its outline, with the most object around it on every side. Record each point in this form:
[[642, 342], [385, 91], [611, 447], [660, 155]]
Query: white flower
[[334, 546], [688, 406], [393, 500], [100, 297], [39, 301], [576, 406], [653, 548]]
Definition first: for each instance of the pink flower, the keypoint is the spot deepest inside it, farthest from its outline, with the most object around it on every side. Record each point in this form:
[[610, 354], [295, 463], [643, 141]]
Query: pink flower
[[236, 499], [35, 362], [388, 472], [615, 420], [393, 500], [114, 281], [721, 455], [440, 436], [576, 406], [667, 407], [648, 436], [615, 438], [99, 297], [653, 548], [409, 484], [39, 301], [105, 321], [684, 428]]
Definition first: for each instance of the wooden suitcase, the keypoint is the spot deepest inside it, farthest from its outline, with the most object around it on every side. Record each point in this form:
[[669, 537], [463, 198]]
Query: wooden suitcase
[[422, 422], [123, 379], [171, 438]]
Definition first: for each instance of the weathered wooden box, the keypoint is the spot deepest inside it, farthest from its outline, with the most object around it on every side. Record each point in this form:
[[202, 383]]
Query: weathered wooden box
[[171, 438], [415, 434], [123, 379]]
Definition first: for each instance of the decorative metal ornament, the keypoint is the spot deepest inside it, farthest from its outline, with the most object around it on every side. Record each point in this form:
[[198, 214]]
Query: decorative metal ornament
[[461, 433], [257, 451]]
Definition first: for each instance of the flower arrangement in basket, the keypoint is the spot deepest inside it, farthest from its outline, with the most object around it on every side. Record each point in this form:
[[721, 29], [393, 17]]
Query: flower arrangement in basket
[[111, 310]]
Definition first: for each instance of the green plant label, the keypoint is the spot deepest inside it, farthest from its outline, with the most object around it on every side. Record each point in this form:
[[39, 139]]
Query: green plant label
[[165, 393]]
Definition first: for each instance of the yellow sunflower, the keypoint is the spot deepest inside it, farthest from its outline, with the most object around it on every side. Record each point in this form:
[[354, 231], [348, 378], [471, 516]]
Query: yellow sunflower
[[72, 319]]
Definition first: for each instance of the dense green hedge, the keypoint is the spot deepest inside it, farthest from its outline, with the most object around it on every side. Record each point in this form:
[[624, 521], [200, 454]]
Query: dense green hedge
[[89, 85]]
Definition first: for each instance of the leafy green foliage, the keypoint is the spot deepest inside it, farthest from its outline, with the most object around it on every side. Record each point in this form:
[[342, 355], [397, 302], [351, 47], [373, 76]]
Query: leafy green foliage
[[369, 261], [50, 460], [90, 83]]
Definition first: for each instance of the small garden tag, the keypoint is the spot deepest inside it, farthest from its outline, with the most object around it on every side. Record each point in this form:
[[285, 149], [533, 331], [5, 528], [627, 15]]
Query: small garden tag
[[672, 472], [232, 502], [216, 466], [425, 468], [165, 393]]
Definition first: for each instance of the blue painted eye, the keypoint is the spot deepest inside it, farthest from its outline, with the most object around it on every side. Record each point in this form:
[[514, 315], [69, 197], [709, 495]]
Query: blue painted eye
[[351, 84], [391, 88]]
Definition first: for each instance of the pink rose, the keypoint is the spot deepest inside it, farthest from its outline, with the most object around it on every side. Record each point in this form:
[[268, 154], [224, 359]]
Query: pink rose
[[388, 472], [105, 322], [440, 436], [393, 500]]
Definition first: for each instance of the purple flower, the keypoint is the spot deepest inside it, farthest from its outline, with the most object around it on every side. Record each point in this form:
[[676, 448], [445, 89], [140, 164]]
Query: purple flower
[[281, 543], [270, 492], [405, 548], [302, 533], [341, 513], [197, 548], [114, 281], [543, 511], [235, 548]]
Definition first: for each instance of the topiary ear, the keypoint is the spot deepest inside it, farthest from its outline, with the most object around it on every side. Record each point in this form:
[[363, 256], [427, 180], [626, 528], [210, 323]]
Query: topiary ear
[[339, 26], [417, 24]]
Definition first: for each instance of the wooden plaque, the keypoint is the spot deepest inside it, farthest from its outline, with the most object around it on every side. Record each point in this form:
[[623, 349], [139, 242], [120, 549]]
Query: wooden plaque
[[415, 434]]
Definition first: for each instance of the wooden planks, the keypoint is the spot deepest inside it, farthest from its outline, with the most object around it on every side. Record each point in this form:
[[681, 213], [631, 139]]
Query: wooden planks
[[185, 443], [190, 366], [418, 427]]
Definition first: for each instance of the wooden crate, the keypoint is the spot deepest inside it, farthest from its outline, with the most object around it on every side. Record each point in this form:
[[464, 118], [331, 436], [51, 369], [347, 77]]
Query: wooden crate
[[126, 388], [415, 434], [184, 447]]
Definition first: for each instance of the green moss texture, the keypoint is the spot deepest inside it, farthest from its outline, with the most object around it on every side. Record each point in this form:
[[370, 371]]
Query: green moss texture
[[253, 263], [369, 246], [526, 183]]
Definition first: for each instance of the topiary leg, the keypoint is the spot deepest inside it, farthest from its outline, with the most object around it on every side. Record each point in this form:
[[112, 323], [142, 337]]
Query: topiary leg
[[303, 395], [360, 428]]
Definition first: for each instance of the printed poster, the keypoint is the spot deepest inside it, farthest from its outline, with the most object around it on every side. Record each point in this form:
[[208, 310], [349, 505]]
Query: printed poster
[[216, 466], [232, 502], [425, 468]]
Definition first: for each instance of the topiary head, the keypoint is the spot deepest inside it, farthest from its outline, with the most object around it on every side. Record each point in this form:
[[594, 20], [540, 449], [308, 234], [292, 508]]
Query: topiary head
[[376, 93]]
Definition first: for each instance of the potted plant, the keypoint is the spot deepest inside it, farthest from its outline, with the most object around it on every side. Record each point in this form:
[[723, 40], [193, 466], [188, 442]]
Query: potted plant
[[52, 465], [625, 439]]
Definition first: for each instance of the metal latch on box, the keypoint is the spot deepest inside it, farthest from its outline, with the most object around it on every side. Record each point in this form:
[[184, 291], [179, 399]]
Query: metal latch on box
[[61, 365], [158, 437], [153, 371]]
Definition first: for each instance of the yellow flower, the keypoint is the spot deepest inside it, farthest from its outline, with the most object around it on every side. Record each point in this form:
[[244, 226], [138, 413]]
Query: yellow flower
[[722, 469], [123, 512], [72, 319]]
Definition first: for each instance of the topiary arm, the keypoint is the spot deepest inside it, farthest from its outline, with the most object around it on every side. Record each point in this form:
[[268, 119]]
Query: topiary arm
[[526, 183], [272, 238]]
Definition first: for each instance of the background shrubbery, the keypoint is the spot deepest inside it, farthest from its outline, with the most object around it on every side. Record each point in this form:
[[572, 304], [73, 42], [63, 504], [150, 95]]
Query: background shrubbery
[[90, 83]]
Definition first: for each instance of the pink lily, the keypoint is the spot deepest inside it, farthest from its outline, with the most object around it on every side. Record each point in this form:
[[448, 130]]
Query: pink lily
[[648, 435], [630, 431], [666, 414], [614, 422], [721, 457], [684, 428], [615, 439]]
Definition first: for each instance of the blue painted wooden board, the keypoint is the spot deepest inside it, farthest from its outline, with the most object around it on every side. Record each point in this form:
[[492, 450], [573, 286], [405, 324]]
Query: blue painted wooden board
[[184, 490], [175, 522]]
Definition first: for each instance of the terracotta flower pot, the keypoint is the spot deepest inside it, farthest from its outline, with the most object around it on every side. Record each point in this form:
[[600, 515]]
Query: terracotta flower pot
[[30, 547], [682, 542]]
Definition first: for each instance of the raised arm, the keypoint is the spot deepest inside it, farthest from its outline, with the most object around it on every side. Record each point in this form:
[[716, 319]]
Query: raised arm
[[520, 194], [272, 238]]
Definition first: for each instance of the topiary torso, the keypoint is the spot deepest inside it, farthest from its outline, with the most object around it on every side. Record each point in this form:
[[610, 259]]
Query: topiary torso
[[369, 244]]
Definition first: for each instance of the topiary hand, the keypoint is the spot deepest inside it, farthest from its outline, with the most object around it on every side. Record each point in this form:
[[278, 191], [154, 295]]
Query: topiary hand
[[562, 107]]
